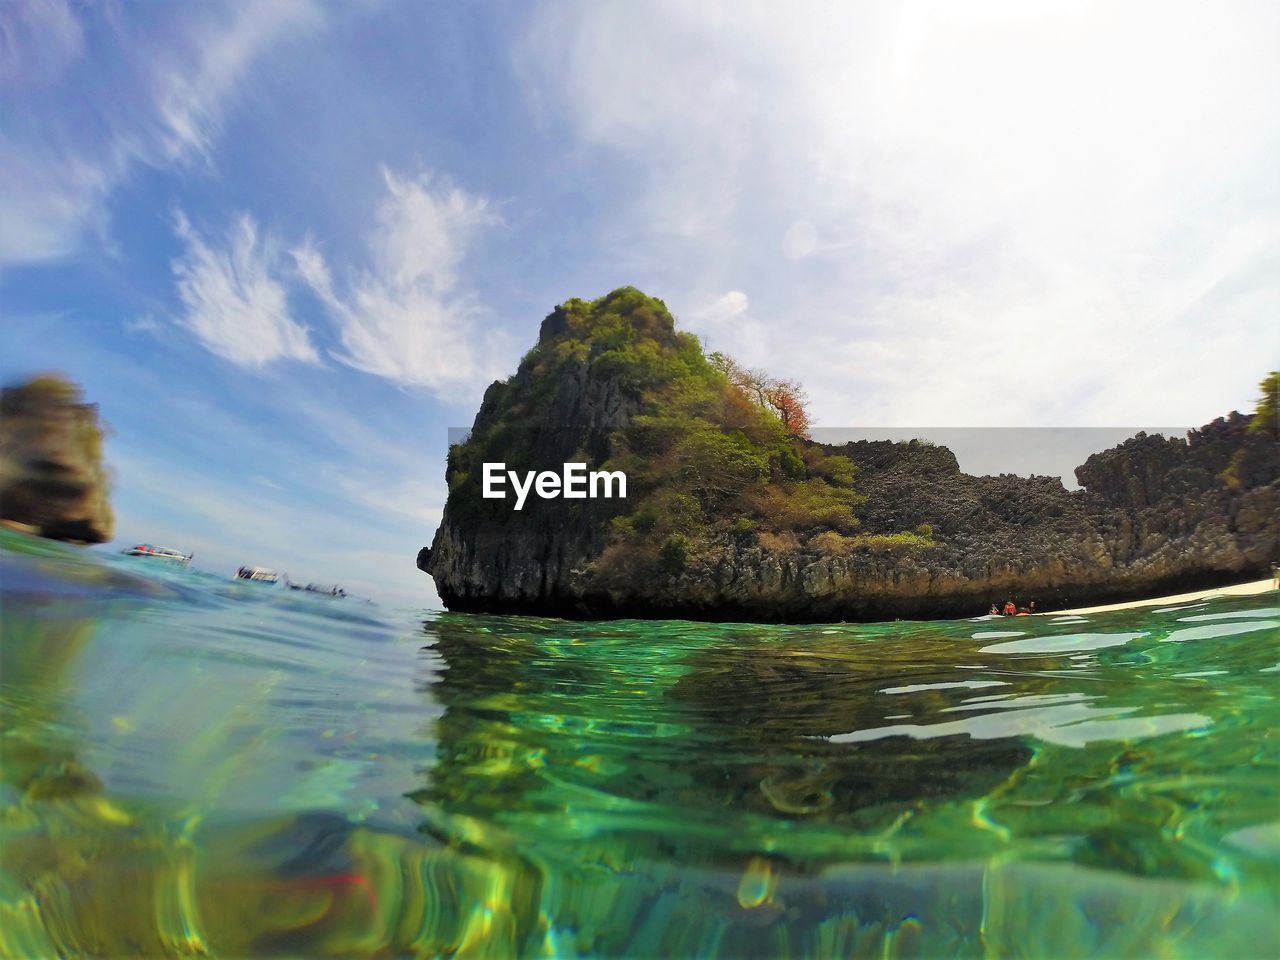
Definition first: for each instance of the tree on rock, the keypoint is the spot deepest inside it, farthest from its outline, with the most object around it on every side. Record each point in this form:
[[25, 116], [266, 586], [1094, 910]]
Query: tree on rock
[[785, 399]]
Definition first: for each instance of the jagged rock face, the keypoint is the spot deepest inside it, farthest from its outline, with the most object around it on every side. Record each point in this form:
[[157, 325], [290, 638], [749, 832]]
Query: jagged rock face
[[52, 478], [1156, 515], [1212, 501], [523, 561]]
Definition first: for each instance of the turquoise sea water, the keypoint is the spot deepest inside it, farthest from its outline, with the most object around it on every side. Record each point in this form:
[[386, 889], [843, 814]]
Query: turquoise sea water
[[196, 766]]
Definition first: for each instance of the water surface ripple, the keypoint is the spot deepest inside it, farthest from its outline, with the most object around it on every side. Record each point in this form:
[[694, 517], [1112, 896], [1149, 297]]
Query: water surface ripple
[[192, 765]]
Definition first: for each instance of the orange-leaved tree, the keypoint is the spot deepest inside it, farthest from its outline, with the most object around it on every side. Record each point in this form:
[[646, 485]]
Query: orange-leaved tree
[[785, 399]]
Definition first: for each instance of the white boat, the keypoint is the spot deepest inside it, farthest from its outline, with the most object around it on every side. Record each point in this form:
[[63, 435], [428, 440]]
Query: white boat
[[260, 574], [158, 553]]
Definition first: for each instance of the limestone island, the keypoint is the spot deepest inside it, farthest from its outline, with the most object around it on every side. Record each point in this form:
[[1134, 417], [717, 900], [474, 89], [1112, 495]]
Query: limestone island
[[733, 513], [53, 481]]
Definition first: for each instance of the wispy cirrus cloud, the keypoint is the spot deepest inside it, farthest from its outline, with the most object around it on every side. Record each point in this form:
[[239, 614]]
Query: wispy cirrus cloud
[[151, 87], [48, 203], [236, 303], [37, 41], [404, 315], [191, 98]]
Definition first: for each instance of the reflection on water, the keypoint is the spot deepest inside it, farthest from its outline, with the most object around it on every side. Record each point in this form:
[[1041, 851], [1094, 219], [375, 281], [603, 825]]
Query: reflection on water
[[194, 766]]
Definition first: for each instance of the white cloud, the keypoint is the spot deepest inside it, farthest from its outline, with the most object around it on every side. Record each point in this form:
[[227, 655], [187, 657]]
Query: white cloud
[[144, 324], [403, 316], [979, 213], [157, 96], [235, 304], [725, 325], [47, 201], [723, 309], [417, 500], [38, 39], [191, 97]]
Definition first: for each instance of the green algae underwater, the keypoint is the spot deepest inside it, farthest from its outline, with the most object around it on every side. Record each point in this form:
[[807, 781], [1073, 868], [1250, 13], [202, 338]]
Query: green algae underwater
[[193, 766]]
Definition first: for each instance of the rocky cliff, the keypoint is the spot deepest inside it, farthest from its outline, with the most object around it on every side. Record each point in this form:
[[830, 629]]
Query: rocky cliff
[[52, 478], [1156, 515], [798, 535]]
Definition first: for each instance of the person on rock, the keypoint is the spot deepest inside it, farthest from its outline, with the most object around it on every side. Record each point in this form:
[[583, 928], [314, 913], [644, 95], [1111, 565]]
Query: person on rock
[[1009, 608]]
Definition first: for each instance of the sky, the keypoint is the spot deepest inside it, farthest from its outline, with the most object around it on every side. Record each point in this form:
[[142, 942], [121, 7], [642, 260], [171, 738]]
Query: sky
[[285, 245]]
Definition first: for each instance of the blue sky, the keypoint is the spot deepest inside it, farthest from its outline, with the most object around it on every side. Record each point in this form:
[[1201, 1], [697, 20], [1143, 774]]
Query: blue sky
[[285, 245]]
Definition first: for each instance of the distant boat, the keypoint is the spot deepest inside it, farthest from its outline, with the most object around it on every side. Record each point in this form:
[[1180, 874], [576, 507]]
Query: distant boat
[[328, 590], [158, 553], [261, 574]]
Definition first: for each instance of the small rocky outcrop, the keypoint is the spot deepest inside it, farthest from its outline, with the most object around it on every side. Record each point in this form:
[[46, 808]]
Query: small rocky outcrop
[[914, 537], [52, 478]]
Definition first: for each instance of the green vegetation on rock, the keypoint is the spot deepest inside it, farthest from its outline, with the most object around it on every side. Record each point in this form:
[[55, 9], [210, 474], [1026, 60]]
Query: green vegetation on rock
[[612, 382], [1266, 416]]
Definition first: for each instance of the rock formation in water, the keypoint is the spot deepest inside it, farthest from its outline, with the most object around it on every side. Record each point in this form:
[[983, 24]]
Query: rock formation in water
[[728, 516], [52, 478]]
